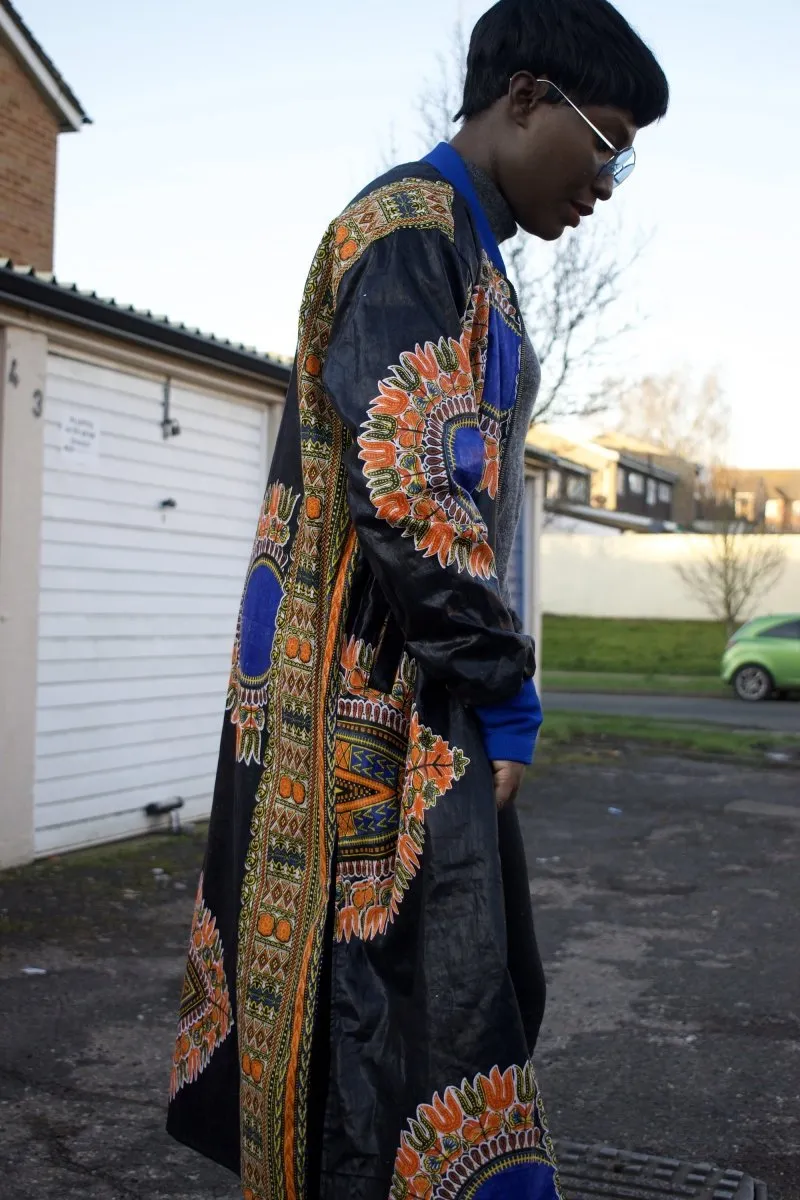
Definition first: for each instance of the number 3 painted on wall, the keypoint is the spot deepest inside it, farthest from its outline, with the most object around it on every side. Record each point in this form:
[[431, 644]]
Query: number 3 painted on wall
[[38, 403]]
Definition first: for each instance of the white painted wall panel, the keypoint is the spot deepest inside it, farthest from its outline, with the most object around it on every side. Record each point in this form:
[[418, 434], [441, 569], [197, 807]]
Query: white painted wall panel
[[137, 602], [635, 576], [143, 732]]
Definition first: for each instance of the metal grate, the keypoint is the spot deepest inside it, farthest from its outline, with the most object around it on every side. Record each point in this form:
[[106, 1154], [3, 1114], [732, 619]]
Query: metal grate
[[602, 1173]]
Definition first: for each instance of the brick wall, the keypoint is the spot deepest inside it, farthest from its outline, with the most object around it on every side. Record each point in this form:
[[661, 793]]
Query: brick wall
[[28, 134]]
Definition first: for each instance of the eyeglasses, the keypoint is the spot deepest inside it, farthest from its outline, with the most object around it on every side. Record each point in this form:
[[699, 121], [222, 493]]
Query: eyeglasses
[[622, 162]]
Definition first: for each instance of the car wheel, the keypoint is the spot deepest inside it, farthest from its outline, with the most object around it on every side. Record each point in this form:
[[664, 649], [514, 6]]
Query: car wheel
[[753, 683]]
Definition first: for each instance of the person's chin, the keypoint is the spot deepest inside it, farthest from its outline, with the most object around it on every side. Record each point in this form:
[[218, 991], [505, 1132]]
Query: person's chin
[[547, 231]]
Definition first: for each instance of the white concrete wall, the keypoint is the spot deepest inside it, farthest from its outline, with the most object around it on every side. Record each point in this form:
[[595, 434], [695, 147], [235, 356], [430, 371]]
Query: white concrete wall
[[23, 364], [532, 515], [634, 576]]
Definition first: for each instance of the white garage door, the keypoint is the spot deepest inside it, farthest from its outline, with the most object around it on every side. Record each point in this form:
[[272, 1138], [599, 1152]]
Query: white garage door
[[145, 543]]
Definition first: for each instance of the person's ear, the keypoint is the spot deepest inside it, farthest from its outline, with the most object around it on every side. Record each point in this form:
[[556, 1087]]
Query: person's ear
[[525, 94]]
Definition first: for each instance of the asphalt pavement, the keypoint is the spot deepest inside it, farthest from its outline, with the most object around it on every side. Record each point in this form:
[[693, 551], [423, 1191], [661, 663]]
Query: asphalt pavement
[[664, 892], [778, 716]]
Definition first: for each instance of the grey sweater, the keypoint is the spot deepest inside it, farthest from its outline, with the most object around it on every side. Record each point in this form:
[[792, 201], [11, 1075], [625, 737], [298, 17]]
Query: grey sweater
[[512, 475]]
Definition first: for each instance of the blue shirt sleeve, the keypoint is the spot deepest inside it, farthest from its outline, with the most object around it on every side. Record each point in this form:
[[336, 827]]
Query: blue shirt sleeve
[[510, 729]]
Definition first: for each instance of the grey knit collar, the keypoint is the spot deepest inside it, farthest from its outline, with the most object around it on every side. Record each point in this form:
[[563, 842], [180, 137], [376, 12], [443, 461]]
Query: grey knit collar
[[493, 203]]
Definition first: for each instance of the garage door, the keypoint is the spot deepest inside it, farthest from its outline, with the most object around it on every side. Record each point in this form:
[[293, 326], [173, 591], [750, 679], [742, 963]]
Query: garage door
[[145, 543]]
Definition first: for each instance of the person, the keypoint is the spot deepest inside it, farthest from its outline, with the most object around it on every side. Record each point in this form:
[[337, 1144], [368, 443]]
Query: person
[[363, 991]]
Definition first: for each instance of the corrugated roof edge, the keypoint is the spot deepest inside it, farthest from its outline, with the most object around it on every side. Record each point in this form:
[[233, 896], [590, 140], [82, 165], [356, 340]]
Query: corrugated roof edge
[[45, 59], [42, 292]]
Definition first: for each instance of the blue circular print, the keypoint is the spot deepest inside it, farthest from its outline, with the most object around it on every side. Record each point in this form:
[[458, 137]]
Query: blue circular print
[[514, 1179], [467, 451], [263, 594]]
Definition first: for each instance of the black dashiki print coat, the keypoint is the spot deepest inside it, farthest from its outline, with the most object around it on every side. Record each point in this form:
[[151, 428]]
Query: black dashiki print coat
[[363, 990]]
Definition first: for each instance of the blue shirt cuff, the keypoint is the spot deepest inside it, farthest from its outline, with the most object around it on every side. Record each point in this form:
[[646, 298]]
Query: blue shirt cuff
[[510, 729]]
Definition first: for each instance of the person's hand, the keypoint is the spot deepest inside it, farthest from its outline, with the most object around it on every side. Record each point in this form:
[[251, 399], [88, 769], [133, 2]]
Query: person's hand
[[508, 778]]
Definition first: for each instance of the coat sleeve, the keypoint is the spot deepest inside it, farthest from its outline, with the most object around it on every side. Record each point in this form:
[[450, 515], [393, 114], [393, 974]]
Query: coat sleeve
[[398, 372]]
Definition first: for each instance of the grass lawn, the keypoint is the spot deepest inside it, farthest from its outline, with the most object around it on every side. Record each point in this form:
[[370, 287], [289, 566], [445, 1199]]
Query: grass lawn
[[594, 681], [644, 648], [563, 730]]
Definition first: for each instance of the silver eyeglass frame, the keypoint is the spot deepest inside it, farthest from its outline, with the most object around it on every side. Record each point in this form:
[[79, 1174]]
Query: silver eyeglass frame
[[622, 162]]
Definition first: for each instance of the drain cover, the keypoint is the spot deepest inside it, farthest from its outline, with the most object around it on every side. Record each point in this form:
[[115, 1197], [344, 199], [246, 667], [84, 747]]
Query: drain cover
[[602, 1173]]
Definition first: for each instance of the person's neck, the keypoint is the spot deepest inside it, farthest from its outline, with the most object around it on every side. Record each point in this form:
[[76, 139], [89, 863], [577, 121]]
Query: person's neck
[[478, 158], [474, 143]]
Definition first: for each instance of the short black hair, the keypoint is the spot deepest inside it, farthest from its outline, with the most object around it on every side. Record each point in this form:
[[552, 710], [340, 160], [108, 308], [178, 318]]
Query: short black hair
[[585, 47]]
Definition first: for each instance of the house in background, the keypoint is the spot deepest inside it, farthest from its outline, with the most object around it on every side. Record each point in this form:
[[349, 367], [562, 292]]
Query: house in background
[[768, 500], [568, 483], [626, 491], [133, 459], [687, 475]]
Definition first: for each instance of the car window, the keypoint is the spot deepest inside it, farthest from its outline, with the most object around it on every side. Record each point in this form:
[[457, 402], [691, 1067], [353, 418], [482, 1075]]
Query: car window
[[746, 630], [789, 629]]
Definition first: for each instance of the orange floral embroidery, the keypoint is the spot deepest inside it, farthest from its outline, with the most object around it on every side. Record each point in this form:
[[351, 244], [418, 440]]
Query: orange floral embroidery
[[276, 512], [446, 1115], [473, 1132], [206, 1016], [408, 458], [499, 1089], [367, 902]]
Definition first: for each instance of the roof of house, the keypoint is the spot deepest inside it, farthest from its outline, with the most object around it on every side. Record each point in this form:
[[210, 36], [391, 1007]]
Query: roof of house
[[42, 293], [541, 437], [777, 484], [632, 522], [544, 437], [632, 462], [616, 440], [548, 458], [46, 75]]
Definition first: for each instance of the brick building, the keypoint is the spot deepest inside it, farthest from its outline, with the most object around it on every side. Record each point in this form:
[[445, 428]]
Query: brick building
[[36, 105]]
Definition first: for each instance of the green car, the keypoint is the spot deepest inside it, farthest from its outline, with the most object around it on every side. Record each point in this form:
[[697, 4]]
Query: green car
[[762, 659]]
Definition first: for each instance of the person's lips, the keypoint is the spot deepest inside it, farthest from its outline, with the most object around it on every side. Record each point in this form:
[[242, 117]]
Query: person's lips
[[579, 210], [582, 210]]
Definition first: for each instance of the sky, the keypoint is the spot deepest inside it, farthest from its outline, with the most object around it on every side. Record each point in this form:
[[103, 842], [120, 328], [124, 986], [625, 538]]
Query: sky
[[226, 137]]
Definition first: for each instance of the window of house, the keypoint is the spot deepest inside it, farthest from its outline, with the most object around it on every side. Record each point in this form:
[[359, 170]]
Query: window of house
[[636, 483], [743, 504], [620, 481], [576, 489], [652, 491], [664, 493], [553, 484], [789, 629]]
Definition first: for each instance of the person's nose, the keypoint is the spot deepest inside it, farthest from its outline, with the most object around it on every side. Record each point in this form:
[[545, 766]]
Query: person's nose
[[604, 186]]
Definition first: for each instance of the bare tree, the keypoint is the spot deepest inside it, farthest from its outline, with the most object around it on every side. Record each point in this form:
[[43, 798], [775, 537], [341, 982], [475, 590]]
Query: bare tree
[[688, 419], [733, 574], [441, 98], [567, 290]]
